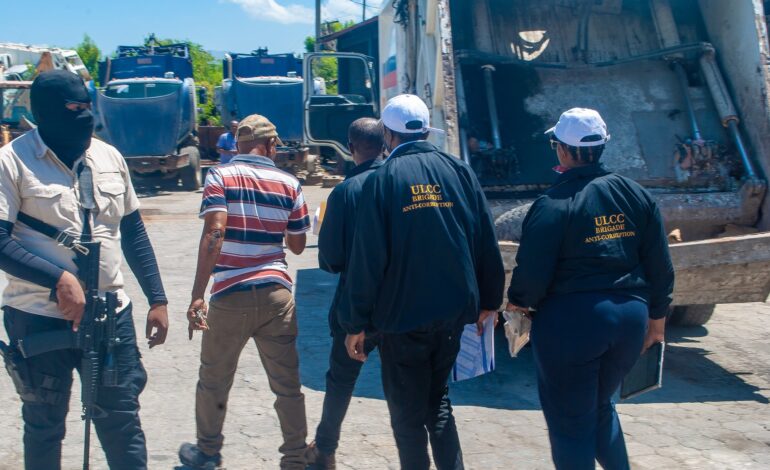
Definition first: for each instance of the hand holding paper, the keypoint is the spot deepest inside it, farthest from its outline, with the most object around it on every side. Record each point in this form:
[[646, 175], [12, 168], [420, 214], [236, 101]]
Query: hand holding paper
[[477, 351], [517, 328], [484, 316]]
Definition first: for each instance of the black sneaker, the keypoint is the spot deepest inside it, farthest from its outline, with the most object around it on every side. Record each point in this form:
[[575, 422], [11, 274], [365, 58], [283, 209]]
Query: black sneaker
[[190, 455]]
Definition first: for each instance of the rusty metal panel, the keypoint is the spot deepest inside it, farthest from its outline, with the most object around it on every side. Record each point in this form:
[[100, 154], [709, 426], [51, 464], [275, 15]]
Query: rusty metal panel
[[657, 130], [715, 271], [697, 216], [617, 93], [738, 31], [725, 270], [544, 31]]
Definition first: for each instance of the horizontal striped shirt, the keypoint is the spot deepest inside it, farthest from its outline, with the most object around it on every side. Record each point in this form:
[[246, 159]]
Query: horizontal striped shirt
[[262, 202]]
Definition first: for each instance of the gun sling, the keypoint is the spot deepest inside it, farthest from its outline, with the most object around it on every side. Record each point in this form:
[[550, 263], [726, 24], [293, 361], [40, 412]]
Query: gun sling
[[62, 238]]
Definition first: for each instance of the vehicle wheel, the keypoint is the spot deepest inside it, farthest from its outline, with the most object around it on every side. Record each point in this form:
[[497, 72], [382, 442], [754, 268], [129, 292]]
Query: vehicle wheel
[[509, 225], [691, 315], [191, 174]]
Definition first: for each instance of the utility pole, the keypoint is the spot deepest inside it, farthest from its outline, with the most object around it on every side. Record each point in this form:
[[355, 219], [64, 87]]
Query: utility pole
[[317, 25], [363, 15]]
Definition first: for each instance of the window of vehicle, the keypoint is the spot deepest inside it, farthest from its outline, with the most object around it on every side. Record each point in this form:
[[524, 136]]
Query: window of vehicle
[[141, 90], [15, 105]]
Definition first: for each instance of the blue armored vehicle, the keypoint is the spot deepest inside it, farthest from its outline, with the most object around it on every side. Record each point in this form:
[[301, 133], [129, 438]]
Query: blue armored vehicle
[[146, 108], [270, 85]]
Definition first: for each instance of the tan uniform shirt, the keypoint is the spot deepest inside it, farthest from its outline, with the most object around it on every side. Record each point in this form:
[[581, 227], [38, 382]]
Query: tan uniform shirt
[[34, 181]]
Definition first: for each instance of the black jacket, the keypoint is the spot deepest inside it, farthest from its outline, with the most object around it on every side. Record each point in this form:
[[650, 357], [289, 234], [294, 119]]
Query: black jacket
[[425, 251], [593, 231], [335, 241]]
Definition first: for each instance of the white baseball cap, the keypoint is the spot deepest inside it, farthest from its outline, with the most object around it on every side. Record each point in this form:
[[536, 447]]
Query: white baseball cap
[[578, 123], [407, 114]]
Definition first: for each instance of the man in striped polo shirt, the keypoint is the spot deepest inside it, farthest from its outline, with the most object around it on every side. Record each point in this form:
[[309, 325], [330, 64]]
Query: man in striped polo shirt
[[249, 208]]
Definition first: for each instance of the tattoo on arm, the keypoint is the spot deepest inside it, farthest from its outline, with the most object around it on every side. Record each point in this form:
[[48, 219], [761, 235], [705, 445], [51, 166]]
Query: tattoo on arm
[[215, 238], [212, 239]]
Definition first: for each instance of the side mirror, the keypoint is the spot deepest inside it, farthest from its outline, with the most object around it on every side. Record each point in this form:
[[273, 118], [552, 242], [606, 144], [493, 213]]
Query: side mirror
[[203, 96]]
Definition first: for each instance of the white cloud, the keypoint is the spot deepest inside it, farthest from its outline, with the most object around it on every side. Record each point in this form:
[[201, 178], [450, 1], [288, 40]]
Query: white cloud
[[344, 10], [272, 10]]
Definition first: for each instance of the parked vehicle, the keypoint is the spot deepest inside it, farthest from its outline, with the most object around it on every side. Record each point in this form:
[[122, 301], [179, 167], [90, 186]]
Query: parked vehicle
[[270, 85], [16, 117], [147, 109], [18, 60], [683, 85]]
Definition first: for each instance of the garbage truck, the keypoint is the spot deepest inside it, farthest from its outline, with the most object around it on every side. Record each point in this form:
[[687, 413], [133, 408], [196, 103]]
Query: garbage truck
[[147, 108], [19, 61], [683, 85], [270, 85]]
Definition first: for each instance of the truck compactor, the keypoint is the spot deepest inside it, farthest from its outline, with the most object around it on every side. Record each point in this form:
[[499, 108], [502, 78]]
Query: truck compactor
[[683, 86]]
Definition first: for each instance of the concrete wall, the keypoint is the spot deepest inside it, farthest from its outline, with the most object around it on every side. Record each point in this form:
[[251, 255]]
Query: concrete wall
[[738, 31]]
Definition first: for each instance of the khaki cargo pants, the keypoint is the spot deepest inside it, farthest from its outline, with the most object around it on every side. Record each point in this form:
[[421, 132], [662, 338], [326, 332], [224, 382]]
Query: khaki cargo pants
[[266, 314]]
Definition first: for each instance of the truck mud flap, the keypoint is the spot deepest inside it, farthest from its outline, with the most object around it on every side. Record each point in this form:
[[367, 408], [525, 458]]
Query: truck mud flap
[[713, 271]]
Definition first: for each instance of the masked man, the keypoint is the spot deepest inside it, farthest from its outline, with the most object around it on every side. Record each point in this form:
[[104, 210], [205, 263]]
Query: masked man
[[41, 185]]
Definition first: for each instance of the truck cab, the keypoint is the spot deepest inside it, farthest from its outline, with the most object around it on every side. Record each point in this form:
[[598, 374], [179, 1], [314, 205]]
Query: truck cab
[[270, 85], [147, 109]]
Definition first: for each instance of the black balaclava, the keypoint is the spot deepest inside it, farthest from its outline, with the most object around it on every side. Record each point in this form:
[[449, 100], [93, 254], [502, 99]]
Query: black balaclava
[[67, 133]]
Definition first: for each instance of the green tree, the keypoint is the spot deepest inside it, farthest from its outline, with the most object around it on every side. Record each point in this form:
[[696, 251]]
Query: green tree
[[326, 67], [310, 44], [330, 27], [207, 72], [90, 54]]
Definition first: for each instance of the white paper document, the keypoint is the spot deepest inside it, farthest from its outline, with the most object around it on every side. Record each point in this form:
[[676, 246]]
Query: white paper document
[[477, 353]]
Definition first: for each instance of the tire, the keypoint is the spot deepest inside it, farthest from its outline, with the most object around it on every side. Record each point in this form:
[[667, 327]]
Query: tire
[[191, 174], [508, 226], [691, 315]]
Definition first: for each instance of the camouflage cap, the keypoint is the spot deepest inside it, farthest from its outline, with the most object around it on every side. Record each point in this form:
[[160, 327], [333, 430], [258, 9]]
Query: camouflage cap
[[256, 127]]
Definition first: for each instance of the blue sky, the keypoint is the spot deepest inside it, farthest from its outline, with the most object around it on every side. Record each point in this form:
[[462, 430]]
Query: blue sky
[[219, 25]]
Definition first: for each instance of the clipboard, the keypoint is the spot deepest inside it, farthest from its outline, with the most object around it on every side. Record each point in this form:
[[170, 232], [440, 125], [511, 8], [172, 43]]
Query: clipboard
[[646, 375]]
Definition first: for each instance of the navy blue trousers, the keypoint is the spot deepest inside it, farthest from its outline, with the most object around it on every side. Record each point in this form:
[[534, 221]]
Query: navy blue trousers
[[584, 344], [119, 432], [340, 382]]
